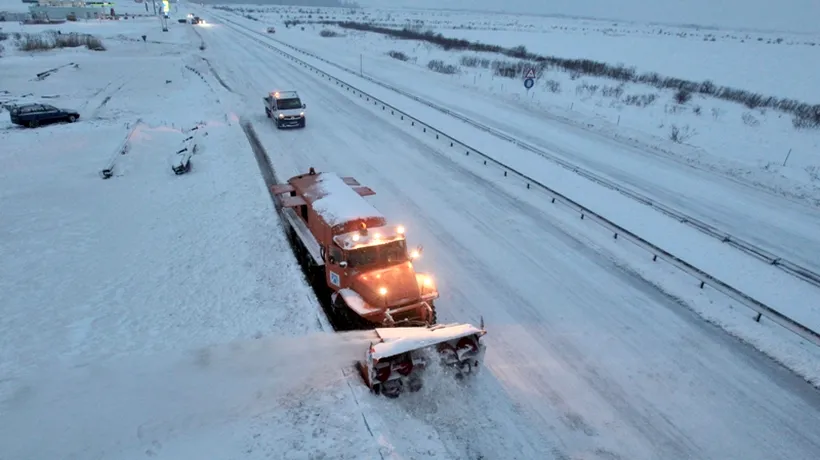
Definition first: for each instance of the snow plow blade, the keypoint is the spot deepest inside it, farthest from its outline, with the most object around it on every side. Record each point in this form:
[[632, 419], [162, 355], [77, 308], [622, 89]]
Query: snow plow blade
[[397, 360]]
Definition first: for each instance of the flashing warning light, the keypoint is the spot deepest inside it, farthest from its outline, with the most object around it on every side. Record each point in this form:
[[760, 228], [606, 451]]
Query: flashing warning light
[[382, 291], [355, 237], [400, 229], [414, 254], [427, 281]]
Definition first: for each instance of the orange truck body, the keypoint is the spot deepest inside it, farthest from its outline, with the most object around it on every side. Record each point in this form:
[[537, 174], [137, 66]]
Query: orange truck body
[[359, 261]]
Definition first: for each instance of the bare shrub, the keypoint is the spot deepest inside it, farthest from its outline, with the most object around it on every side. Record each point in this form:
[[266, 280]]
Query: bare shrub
[[328, 33], [749, 119], [552, 86], [50, 40], [806, 122], [398, 55], [682, 96], [613, 91], [640, 100], [716, 112], [3, 36], [473, 61], [681, 135], [585, 89], [697, 110], [437, 65]]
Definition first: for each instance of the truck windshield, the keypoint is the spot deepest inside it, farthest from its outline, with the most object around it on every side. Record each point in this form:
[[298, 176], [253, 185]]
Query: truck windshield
[[391, 253], [286, 104]]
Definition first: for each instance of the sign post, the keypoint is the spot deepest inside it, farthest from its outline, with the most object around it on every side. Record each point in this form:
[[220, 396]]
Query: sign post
[[529, 78]]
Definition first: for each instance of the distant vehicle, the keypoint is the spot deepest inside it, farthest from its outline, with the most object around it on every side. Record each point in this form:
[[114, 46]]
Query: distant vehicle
[[34, 115], [286, 109], [197, 20], [271, 30]]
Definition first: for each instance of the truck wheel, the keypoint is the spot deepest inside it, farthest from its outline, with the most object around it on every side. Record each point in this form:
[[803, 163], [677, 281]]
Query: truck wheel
[[33, 124], [414, 383], [392, 388], [304, 122], [72, 118], [267, 112]]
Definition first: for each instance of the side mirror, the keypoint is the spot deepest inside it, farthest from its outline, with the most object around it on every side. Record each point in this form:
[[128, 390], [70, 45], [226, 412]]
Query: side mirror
[[343, 264], [304, 106]]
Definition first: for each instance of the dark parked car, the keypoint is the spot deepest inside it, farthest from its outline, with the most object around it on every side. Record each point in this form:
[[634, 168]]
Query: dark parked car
[[34, 115]]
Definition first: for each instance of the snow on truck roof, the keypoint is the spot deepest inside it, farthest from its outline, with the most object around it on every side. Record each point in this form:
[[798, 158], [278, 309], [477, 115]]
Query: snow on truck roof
[[337, 202], [284, 94]]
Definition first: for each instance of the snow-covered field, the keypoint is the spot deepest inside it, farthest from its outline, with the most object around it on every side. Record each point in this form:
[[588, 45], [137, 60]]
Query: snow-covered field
[[151, 314], [154, 315]]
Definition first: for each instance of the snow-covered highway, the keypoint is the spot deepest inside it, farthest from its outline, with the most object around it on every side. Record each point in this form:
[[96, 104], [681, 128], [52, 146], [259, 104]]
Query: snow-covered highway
[[582, 352], [728, 199]]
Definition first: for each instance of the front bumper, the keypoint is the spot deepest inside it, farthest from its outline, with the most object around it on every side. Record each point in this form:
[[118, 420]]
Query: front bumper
[[290, 122]]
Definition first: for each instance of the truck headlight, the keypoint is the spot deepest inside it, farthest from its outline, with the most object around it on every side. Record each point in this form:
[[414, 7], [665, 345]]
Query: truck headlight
[[301, 114], [281, 115]]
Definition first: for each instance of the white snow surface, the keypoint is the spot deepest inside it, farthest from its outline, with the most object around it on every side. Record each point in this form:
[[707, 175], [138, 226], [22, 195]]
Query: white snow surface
[[356, 302], [339, 203], [790, 15], [154, 315]]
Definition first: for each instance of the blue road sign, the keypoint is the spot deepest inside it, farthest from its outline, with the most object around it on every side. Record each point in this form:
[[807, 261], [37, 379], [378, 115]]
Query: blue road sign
[[528, 83]]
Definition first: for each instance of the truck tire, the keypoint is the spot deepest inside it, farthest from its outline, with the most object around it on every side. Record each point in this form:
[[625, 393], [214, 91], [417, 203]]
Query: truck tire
[[267, 112], [303, 123], [33, 124], [72, 118]]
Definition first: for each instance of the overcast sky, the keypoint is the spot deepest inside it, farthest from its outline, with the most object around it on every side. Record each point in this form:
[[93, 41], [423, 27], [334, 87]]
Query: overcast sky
[[795, 15]]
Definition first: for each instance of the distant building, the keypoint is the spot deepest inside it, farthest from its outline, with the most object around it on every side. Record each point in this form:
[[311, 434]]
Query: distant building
[[60, 10], [13, 16]]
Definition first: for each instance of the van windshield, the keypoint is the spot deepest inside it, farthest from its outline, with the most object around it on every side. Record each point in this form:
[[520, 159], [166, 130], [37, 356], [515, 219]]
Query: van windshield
[[391, 253], [286, 104]]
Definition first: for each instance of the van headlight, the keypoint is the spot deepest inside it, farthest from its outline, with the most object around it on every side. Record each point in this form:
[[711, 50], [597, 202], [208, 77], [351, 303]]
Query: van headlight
[[301, 114], [281, 115]]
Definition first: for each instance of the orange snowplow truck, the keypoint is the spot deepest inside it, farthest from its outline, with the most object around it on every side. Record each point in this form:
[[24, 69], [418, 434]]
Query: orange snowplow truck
[[357, 261]]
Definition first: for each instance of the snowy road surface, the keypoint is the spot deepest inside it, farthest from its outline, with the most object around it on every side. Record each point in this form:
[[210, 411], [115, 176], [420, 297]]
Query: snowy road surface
[[781, 225], [585, 359]]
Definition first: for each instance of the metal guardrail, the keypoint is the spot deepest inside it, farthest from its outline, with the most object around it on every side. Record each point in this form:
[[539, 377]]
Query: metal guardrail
[[793, 268], [618, 231]]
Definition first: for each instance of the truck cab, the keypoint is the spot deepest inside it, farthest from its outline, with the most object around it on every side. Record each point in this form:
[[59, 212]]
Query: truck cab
[[286, 109], [373, 269]]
